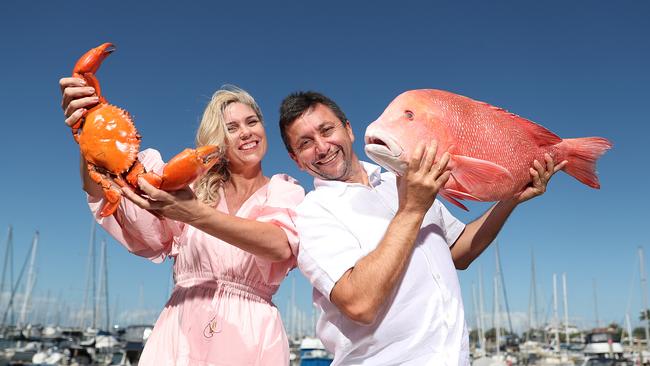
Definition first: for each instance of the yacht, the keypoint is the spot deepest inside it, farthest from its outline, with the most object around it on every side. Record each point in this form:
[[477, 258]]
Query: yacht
[[603, 344]]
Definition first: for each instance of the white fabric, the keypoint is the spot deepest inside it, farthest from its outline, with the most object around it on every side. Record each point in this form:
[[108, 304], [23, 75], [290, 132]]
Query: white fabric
[[424, 323]]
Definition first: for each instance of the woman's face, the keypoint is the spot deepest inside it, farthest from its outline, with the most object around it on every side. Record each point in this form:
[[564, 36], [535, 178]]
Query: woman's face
[[245, 136]]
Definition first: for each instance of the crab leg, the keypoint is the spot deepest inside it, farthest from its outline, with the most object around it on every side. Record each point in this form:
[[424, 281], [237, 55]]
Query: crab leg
[[180, 171], [111, 193], [187, 166]]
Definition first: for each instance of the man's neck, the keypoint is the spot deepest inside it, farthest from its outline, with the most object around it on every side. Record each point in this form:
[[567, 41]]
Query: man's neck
[[357, 174]]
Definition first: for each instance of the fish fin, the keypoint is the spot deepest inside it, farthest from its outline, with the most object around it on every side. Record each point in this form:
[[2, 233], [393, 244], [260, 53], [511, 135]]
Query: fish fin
[[581, 154], [539, 134], [461, 195], [449, 197], [470, 173]]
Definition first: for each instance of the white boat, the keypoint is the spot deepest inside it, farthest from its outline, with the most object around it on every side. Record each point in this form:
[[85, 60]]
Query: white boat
[[601, 343], [313, 353]]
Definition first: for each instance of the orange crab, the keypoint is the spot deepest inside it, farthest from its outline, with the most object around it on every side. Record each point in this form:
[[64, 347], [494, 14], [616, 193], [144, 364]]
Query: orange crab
[[109, 143]]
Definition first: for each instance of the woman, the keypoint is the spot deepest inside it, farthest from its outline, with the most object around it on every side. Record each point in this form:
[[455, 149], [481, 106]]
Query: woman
[[232, 238]]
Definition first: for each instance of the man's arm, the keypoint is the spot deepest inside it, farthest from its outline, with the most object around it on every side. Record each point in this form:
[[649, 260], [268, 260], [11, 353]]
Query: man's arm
[[478, 234], [362, 290]]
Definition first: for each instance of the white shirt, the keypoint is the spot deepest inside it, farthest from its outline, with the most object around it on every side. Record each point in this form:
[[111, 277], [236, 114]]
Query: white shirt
[[423, 322]]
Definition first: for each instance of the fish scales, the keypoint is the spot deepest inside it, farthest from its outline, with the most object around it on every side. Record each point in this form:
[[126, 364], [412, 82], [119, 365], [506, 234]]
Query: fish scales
[[491, 149]]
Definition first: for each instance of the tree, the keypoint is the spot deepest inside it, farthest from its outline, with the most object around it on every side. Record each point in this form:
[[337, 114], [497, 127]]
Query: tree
[[644, 315], [491, 333], [616, 330], [639, 333]]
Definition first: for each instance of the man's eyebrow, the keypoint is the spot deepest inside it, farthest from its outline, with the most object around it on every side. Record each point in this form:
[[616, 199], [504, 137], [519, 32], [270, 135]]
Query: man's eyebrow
[[323, 124]]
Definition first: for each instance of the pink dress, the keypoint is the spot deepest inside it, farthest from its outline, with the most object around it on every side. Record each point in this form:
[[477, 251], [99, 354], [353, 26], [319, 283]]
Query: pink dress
[[220, 312]]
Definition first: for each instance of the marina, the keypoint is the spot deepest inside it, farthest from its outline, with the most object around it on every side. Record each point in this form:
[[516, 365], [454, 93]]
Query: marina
[[97, 340]]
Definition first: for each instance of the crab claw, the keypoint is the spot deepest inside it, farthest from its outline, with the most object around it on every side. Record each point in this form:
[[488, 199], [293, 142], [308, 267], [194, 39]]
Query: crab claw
[[91, 60], [185, 168], [88, 64]]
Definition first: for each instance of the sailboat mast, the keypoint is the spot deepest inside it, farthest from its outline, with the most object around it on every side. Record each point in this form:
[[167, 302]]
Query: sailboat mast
[[556, 321], [596, 305], [94, 283], [477, 315], [497, 325], [90, 277], [644, 291], [15, 289], [294, 319], [566, 308], [503, 285], [103, 285], [533, 281], [8, 263], [31, 280], [480, 308], [108, 319], [628, 326]]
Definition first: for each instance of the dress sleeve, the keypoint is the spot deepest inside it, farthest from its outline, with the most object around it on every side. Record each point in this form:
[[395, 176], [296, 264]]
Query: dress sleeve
[[283, 195], [327, 248], [139, 231]]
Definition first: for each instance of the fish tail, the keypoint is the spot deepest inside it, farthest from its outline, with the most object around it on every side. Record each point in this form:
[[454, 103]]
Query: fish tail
[[582, 154]]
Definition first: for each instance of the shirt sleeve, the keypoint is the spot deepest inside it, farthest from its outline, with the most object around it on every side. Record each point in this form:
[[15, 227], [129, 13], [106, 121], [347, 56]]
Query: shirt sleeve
[[139, 231], [327, 248], [451, 226], [283, 195]]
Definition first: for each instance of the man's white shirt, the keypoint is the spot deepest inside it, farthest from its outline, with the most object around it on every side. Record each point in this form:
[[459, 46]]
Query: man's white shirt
[[424, 324]]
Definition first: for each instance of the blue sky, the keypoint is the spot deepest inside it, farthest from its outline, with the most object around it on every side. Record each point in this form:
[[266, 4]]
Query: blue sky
[[579, 68]]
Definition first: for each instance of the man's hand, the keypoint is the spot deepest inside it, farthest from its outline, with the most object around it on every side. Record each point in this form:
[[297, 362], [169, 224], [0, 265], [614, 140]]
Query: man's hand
[[181, 205], [418, 188], [540, 177]]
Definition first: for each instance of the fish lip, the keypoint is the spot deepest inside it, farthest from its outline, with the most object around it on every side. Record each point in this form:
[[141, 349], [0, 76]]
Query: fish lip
[[383, 144], [385, 151]]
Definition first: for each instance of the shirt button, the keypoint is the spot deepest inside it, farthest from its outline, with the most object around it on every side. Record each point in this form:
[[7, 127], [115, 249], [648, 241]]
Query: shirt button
[[437, 276]]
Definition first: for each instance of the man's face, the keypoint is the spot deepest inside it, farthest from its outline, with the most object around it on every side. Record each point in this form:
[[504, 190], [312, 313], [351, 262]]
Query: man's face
[[322, 144]]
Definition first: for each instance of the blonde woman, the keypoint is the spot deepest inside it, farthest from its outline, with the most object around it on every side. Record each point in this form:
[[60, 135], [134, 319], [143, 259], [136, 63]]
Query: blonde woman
[[232, 239]]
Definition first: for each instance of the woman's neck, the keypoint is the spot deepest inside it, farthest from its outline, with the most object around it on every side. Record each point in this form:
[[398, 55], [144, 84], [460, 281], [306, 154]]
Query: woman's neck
[[241, 185]]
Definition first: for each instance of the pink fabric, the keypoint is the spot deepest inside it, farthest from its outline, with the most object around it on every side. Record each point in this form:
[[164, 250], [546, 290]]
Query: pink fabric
[[220, 312]]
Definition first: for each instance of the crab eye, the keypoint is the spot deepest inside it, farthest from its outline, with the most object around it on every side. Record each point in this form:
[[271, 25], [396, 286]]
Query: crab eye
[[409, 115]]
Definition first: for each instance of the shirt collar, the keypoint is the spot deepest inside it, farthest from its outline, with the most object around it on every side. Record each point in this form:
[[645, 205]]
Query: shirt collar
[[374, 178]]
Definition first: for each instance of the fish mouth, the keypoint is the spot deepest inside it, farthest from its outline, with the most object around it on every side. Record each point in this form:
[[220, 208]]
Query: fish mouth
[[385, 151]]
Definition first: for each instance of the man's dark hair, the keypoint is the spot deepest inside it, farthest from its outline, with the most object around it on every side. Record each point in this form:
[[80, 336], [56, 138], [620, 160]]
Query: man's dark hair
[[296, 104]]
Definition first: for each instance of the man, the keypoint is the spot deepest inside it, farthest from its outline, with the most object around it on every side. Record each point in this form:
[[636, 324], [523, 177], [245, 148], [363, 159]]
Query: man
[[379, 250]]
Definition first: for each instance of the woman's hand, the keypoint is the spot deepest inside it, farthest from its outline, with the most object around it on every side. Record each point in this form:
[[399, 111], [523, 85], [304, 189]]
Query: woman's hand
[[77, 98], [181, 205]]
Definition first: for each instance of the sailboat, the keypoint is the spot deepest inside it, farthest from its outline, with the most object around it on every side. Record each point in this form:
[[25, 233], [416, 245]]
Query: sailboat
[[498, 358]]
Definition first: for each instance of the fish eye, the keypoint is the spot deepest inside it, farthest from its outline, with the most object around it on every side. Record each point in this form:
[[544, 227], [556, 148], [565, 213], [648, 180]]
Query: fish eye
[[409, 115]]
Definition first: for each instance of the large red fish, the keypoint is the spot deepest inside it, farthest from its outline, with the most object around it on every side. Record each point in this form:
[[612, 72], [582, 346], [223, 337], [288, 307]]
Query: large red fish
[[491, 149]]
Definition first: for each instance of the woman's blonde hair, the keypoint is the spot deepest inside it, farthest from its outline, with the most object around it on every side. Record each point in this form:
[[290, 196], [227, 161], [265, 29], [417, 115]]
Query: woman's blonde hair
[[212, 131]]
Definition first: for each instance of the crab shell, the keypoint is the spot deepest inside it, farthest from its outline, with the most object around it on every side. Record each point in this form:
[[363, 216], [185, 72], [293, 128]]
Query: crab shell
[[109, 139]]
